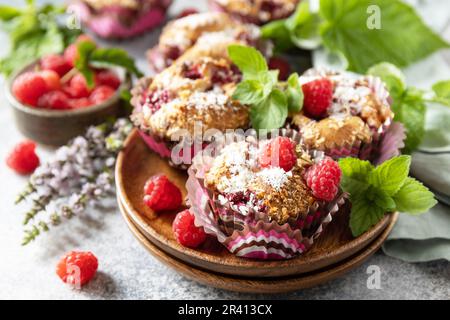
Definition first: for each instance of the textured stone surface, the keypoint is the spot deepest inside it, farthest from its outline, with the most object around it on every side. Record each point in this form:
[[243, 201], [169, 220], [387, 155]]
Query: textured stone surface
[[127, 271]]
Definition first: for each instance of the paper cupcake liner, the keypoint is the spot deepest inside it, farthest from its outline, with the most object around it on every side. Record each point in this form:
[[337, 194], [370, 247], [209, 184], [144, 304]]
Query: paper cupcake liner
[[392, 143], [108, 25], [252, 235]]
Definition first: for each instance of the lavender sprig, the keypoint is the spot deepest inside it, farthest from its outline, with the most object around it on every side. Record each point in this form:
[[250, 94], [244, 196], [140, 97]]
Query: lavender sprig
[[79, 174]]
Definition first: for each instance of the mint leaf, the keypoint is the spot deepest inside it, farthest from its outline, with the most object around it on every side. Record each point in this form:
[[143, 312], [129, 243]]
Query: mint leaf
[[355, 175], [249, 60], [85, 49], [7, 13], [249, 92], [304, 27], [294, 93], [391, 175], [442, 91], [268, 80], [401, 39], [115, 57], [414, 197], [391, 76], [381, 199], [279, 33], [271, 113], [364, 214]]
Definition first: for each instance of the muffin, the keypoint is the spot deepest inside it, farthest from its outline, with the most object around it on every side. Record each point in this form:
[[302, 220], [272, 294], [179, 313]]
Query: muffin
[[181, 34], [264, 209], [194, 92], [343, 114], [120, 19], [255, 11]]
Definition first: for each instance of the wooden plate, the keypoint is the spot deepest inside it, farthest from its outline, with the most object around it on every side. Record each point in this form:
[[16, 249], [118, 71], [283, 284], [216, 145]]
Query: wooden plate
[[260, 285], [136, 163]]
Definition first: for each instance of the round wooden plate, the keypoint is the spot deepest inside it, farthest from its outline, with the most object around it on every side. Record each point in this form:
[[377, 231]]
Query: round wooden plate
[[260, 285], [136, 163]]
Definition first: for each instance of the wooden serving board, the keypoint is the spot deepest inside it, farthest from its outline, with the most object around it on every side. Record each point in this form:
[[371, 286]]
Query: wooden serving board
[[136, 163], [260, 285]]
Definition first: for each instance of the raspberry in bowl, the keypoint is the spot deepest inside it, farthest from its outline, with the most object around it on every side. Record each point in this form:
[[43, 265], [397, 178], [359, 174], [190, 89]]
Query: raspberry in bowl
[[183, 33], [343, 114], [52, 102], [188, 99], [266, 199], [120, 19], [255, 11]]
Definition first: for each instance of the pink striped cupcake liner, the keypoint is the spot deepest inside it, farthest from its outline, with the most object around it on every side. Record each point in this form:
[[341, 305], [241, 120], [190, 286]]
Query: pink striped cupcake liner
[[253, 235]]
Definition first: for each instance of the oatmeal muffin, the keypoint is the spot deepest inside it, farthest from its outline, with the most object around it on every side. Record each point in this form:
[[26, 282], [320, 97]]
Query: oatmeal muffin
[[255, 193], [343, 114], [255, 11], [181, 34], [194, 92], [120, 19]]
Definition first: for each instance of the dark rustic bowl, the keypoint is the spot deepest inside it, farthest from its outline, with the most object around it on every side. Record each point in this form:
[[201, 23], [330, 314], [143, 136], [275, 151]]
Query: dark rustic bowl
[[57, 127]]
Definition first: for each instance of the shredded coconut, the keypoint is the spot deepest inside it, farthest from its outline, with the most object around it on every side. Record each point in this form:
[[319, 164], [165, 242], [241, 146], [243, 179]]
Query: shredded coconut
[[275, 177]]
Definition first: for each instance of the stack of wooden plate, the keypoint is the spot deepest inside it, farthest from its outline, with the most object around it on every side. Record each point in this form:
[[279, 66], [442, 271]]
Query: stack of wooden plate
[[334, 253]]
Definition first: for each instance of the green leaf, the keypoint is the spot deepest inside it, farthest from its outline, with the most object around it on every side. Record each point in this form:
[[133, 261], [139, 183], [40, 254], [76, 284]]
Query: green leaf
[[271, 113], [304, 27], [414, 197], [268, 81], [355, 175], [294, 93], [279, 33], [364, 214], [85, 49], [249, 92], [391, 76], [381, 199], [7, 13], [391, 175], [116, 57], [401, 39], [442, 91], [249, 60]]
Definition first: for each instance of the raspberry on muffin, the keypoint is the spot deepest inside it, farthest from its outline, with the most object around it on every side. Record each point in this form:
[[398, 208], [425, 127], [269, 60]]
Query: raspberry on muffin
[[183, 33], [342, 115]]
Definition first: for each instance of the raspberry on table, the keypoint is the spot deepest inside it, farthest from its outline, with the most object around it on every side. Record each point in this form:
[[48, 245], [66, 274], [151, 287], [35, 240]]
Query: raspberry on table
[[279, 152], [161, 194], [57, 99], [186, 233], [23, 158], [107, 78], [318, 95], [101, 94], [52, 79], [77, 267], [324, 178], [28, 87], [55, 62], [280, 64]]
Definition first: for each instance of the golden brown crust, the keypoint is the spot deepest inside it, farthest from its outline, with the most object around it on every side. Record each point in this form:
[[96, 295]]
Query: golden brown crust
[[99, 4]]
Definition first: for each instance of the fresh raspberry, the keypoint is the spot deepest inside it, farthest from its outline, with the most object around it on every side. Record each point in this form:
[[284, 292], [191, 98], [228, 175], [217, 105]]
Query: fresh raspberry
[[323, 178], [71, 54], [54, 100], [57, 63], [155, 99], [78, 87], [80, 103], [280, 152], [277, 63], [52, 79], [77, 267], [187, 12], [161, 194], [28, 87], [318, 96], [23, 158], [107, 78], [101, 94], [186, 233]]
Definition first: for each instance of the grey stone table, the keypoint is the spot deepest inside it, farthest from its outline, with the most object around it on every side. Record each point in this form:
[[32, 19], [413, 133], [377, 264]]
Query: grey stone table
[[127, 271]]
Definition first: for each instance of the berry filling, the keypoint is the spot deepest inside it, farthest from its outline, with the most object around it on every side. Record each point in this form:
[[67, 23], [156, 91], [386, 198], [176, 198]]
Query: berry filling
[[155, 99], [192, 72], [224, 75]]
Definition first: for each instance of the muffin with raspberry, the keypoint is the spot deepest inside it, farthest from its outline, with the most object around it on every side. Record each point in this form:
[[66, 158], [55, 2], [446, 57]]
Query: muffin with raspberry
[[120, 19], [343, 114], [187, 100], [255, 11], [181, 34], [266, 199]]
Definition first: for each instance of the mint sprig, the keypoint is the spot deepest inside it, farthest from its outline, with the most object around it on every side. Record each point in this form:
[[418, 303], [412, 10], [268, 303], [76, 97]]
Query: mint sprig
[[89, 55], [269, 100], [409, 103], [342, 27], [386, 188]]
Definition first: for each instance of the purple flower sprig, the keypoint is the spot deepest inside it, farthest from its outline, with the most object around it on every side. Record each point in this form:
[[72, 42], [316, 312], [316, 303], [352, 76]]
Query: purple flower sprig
[[80, 174]]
